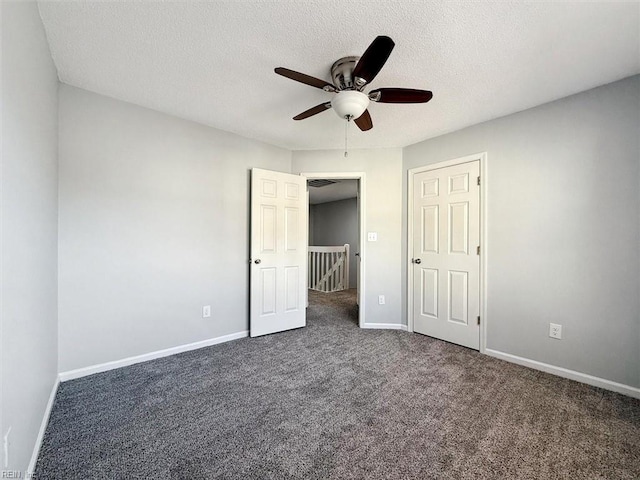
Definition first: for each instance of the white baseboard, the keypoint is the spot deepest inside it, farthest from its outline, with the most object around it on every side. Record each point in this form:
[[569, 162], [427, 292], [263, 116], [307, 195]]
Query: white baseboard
[[43, 428], [103, 367], [566, 373], [385, 326]]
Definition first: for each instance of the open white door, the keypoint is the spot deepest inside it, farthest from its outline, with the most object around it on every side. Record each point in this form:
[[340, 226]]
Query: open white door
[[278, 252]]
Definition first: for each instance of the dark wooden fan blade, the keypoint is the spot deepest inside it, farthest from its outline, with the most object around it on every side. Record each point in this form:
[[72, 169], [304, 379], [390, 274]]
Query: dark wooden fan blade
[[302, 78], [313, 111], [400, 95], [373, 59], [364, 122]]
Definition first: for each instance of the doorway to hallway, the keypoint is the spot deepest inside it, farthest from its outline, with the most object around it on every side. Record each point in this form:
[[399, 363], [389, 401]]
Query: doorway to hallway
[[335, 255]]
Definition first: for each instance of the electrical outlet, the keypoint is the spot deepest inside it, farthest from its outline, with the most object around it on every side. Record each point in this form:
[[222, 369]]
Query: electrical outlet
[[206, 311], [5, 444], [372, 236], [381, 300], [555, 331]]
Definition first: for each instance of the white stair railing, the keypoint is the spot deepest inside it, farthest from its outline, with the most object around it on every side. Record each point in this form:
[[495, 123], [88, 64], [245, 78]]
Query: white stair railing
[[329, 268]]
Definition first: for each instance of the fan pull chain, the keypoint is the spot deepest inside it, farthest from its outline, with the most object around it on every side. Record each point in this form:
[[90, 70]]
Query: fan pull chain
[[346, 127]]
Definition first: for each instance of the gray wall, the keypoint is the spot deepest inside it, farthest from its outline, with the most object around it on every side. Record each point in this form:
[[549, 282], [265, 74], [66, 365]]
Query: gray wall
[[336, 223], [153, 225], [563, 228], [29, 227], [383, 206]]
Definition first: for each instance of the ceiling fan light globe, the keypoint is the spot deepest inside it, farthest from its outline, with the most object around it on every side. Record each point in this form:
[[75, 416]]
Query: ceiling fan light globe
[[350, 103]]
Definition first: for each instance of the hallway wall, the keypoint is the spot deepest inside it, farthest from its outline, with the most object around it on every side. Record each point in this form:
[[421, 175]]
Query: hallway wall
[[336, 223]]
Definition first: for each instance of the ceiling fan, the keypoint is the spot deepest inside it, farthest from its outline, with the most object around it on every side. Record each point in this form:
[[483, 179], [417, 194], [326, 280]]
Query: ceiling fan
[[350, 76]]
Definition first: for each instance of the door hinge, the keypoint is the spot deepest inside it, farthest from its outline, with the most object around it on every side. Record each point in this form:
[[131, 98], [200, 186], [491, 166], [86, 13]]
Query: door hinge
[[478, 250], [478, 180], [478, 319]]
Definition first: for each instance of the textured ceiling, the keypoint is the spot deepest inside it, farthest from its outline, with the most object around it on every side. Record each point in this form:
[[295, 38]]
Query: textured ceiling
[[212, 62]]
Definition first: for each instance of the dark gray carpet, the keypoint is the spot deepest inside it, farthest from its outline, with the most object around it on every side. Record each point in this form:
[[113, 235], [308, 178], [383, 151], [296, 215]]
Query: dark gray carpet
[[332, 401]]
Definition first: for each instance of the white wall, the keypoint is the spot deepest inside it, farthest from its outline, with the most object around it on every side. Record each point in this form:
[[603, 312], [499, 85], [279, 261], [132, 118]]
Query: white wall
[[153, 225], [563, 228], [383, 168], [336, 223], [29, 227]]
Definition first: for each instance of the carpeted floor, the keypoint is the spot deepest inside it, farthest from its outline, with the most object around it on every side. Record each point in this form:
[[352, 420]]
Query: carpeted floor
[[331, 401]]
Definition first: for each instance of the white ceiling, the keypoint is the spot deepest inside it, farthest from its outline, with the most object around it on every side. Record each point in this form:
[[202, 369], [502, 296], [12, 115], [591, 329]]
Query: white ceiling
[[341, 190], [212, 62]]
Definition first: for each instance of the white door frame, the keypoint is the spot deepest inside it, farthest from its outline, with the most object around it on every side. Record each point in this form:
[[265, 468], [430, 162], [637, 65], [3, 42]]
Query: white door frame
[[361, 248], [482, 158]]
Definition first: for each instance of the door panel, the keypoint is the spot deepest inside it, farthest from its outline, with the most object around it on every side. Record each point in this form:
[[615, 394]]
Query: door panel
[[458, 297], [268, 234], [268, 280], [278, 252], [459, 228], [292, 281], [446, 267], [429, 290], [430, 229], [292, 229]]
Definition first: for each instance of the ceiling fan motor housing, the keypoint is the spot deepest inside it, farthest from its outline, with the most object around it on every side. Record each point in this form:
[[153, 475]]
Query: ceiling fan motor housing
[[341, 73]]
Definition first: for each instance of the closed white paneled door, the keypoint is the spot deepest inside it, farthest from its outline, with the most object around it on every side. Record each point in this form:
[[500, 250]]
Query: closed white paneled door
[[445, 257], [278, 252]]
